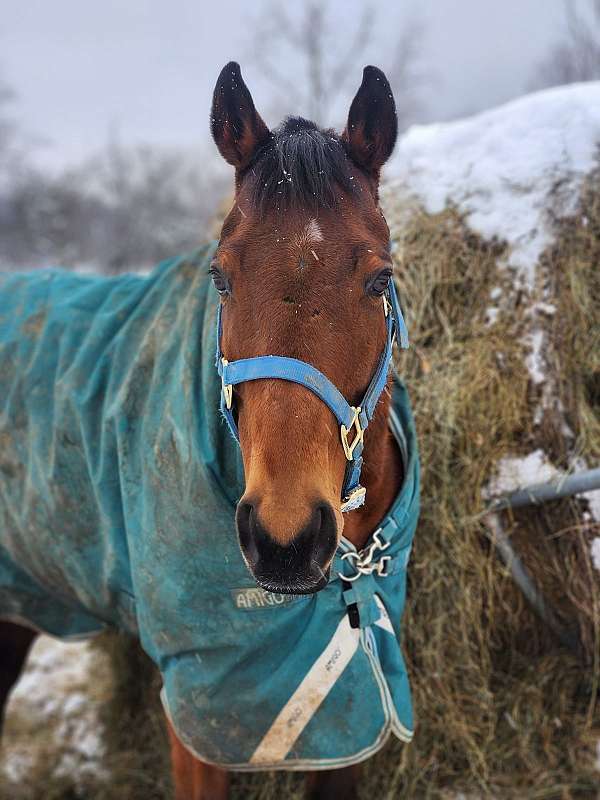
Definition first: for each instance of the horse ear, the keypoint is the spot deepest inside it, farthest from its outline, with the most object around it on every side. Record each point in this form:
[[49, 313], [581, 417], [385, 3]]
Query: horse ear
[[235, 124], [372, 126]]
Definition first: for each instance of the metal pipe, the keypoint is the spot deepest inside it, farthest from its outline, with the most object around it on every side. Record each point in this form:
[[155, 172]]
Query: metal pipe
[[566, 486], [523, 580]]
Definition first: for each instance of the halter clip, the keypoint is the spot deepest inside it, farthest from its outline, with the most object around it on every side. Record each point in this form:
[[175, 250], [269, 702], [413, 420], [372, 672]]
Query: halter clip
[[363, 561]]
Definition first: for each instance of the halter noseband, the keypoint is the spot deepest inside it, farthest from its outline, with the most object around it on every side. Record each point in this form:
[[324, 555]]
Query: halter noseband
[[350, 418]]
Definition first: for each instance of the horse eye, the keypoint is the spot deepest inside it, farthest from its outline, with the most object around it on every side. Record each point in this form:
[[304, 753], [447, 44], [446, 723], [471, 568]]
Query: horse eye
[[220, 280], [377, 282]]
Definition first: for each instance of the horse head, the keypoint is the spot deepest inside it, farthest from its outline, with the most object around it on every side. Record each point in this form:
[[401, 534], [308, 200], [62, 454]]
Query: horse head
[[302, 267]]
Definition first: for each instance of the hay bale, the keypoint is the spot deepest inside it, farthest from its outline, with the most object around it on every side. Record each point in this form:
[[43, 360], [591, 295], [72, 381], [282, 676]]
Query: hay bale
[[503, 709]]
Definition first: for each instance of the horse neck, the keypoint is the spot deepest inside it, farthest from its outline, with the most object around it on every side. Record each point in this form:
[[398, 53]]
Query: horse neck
[[382, 476]]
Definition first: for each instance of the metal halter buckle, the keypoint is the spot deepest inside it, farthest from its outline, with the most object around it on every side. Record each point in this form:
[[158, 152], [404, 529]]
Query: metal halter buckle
[[226, 388], [349, 448], [364, 564]]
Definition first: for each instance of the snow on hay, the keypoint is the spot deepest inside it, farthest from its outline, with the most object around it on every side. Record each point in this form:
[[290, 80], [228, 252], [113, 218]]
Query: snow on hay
[[507, 167]]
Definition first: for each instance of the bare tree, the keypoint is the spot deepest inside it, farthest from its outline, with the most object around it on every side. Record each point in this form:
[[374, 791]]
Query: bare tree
[[157, 202], [406, 73], [310, 66], [10, 148], [7, 125], [577, 56], [124, 209], [281, 40], [276, 33]]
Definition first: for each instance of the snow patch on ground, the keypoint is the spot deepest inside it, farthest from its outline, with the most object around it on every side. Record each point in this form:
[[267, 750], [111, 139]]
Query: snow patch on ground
[[506, 168], [55, 708]]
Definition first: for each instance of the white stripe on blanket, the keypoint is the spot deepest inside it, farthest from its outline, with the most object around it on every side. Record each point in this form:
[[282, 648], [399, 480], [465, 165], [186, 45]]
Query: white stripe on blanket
[[303, 704]]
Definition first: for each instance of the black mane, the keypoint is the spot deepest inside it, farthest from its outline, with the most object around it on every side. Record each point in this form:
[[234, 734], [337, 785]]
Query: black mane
[[300, 166]]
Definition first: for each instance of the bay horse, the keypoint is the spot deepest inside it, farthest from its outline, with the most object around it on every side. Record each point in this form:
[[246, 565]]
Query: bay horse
[[121, 486]]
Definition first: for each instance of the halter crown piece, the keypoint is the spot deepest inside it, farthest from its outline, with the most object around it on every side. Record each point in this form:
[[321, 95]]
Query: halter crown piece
[[353, 420]]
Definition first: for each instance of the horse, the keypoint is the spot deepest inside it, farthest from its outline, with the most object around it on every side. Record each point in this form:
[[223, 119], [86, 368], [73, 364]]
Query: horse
[[128, 464]]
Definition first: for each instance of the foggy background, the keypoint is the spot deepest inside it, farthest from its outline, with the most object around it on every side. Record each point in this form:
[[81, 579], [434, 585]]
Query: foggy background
[[106, 161]]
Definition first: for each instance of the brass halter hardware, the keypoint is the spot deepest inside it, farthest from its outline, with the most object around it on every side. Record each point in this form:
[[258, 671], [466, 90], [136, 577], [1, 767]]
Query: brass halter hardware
[[359, 433]]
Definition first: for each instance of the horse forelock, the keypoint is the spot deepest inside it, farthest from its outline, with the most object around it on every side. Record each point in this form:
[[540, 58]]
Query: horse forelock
[[300, 166]]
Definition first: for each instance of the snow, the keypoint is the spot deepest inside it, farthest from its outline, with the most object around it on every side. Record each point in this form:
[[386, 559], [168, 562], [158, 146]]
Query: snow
[[518, 472], [493, 312], [512, 171], [534, 361], [580, 464], [593, 499], [491, 315], [506, 168], [545, 308], [56, 703], [595, 550]]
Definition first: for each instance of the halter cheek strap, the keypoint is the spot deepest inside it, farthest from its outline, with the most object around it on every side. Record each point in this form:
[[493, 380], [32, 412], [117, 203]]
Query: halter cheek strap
[[353, 420]]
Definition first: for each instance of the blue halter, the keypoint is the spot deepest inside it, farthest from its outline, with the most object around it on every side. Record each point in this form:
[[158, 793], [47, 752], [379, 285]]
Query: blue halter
[[350, 418]]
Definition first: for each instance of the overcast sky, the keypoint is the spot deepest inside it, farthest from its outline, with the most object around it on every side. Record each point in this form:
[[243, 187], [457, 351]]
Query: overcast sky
[[145, 69]]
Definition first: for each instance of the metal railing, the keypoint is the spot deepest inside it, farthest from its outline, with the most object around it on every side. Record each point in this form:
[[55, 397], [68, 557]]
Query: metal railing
[[565, 486]]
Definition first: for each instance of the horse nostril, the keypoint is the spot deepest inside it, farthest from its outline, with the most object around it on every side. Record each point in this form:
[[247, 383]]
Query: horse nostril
[[324, 533], [247, 531]]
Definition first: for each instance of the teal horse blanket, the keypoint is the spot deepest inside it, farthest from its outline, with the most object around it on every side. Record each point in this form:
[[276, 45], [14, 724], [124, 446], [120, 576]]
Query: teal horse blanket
[[118, 485]]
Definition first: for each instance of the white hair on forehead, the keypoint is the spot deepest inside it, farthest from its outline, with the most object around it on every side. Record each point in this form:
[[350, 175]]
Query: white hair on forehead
[[313, 232], [310, 234]]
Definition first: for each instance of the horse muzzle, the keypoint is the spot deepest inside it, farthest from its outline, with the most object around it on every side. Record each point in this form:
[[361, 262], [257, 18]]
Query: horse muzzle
[[299, 565]]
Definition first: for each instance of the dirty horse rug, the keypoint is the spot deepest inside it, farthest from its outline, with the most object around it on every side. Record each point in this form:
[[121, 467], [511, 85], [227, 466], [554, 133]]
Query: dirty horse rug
[[118, 484]]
